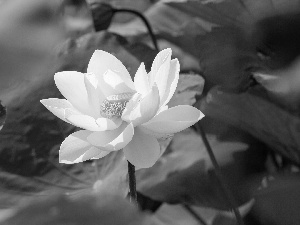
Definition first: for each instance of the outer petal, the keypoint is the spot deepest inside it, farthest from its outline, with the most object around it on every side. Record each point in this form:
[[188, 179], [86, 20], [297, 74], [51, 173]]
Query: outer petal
[[58, 107], [143, 150], [158, 136], [64, 110], [94, 153], [73, 147], [101, 155], [168, 89], [162, 58], [112, 140], [174, 119], [71, 85], [89, 123], [144, 110], [102, 61], [141, 81]]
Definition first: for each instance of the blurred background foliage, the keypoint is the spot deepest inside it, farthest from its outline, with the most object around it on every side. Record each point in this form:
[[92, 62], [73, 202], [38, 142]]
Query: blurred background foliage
[[239, 65]]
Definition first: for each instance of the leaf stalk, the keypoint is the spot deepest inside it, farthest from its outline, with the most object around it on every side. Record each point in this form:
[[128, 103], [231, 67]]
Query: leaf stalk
[[217, 170], [132, 184]]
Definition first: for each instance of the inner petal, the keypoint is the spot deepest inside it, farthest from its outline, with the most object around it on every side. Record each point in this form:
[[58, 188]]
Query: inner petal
[[112, 83], [144, 110], [102, 61], [94, 96]]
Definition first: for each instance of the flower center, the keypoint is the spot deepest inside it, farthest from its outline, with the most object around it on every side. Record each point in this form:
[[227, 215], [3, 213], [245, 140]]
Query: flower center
[[114, 105]]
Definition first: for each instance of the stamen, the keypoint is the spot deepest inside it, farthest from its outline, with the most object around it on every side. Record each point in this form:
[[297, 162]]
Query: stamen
[[114, 105]]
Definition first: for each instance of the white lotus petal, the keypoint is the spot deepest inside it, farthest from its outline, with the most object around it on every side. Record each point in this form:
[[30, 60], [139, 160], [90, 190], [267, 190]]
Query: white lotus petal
[[112, 140], [163, 57], [174, 119], [101, 155], [71, 85], [112, 83], [74, 146], [141, 80], [94, 94], [58, 107], [143, 150], [144, 110], [93, 153], [108, 124], [171, 82], [82, 121], [102, 61]]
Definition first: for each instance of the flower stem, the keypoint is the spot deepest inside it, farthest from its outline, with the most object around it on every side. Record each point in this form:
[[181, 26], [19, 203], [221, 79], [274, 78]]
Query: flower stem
[[144, 19], [132, 184], [197, 217], [219, 176]]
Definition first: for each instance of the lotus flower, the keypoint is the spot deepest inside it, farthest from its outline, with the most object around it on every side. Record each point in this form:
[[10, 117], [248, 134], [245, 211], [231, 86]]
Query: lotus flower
[[118, 113]]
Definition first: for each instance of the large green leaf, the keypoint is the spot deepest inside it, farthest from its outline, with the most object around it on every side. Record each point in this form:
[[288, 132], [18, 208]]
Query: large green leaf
[[225, 53], [232, 12], [185, 174], [107, 175], [179, 214], [228, 54], [283, 86], [225, 36], [88, 210], [227, 58], [279, 201], [189, 86], [259, 117]]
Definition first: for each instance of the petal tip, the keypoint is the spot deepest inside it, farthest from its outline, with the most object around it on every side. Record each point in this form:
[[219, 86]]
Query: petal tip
[[201, 116], [165, 53], [168, 50], [99, 52], [60, 74], [175, 61], [63, 161]]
